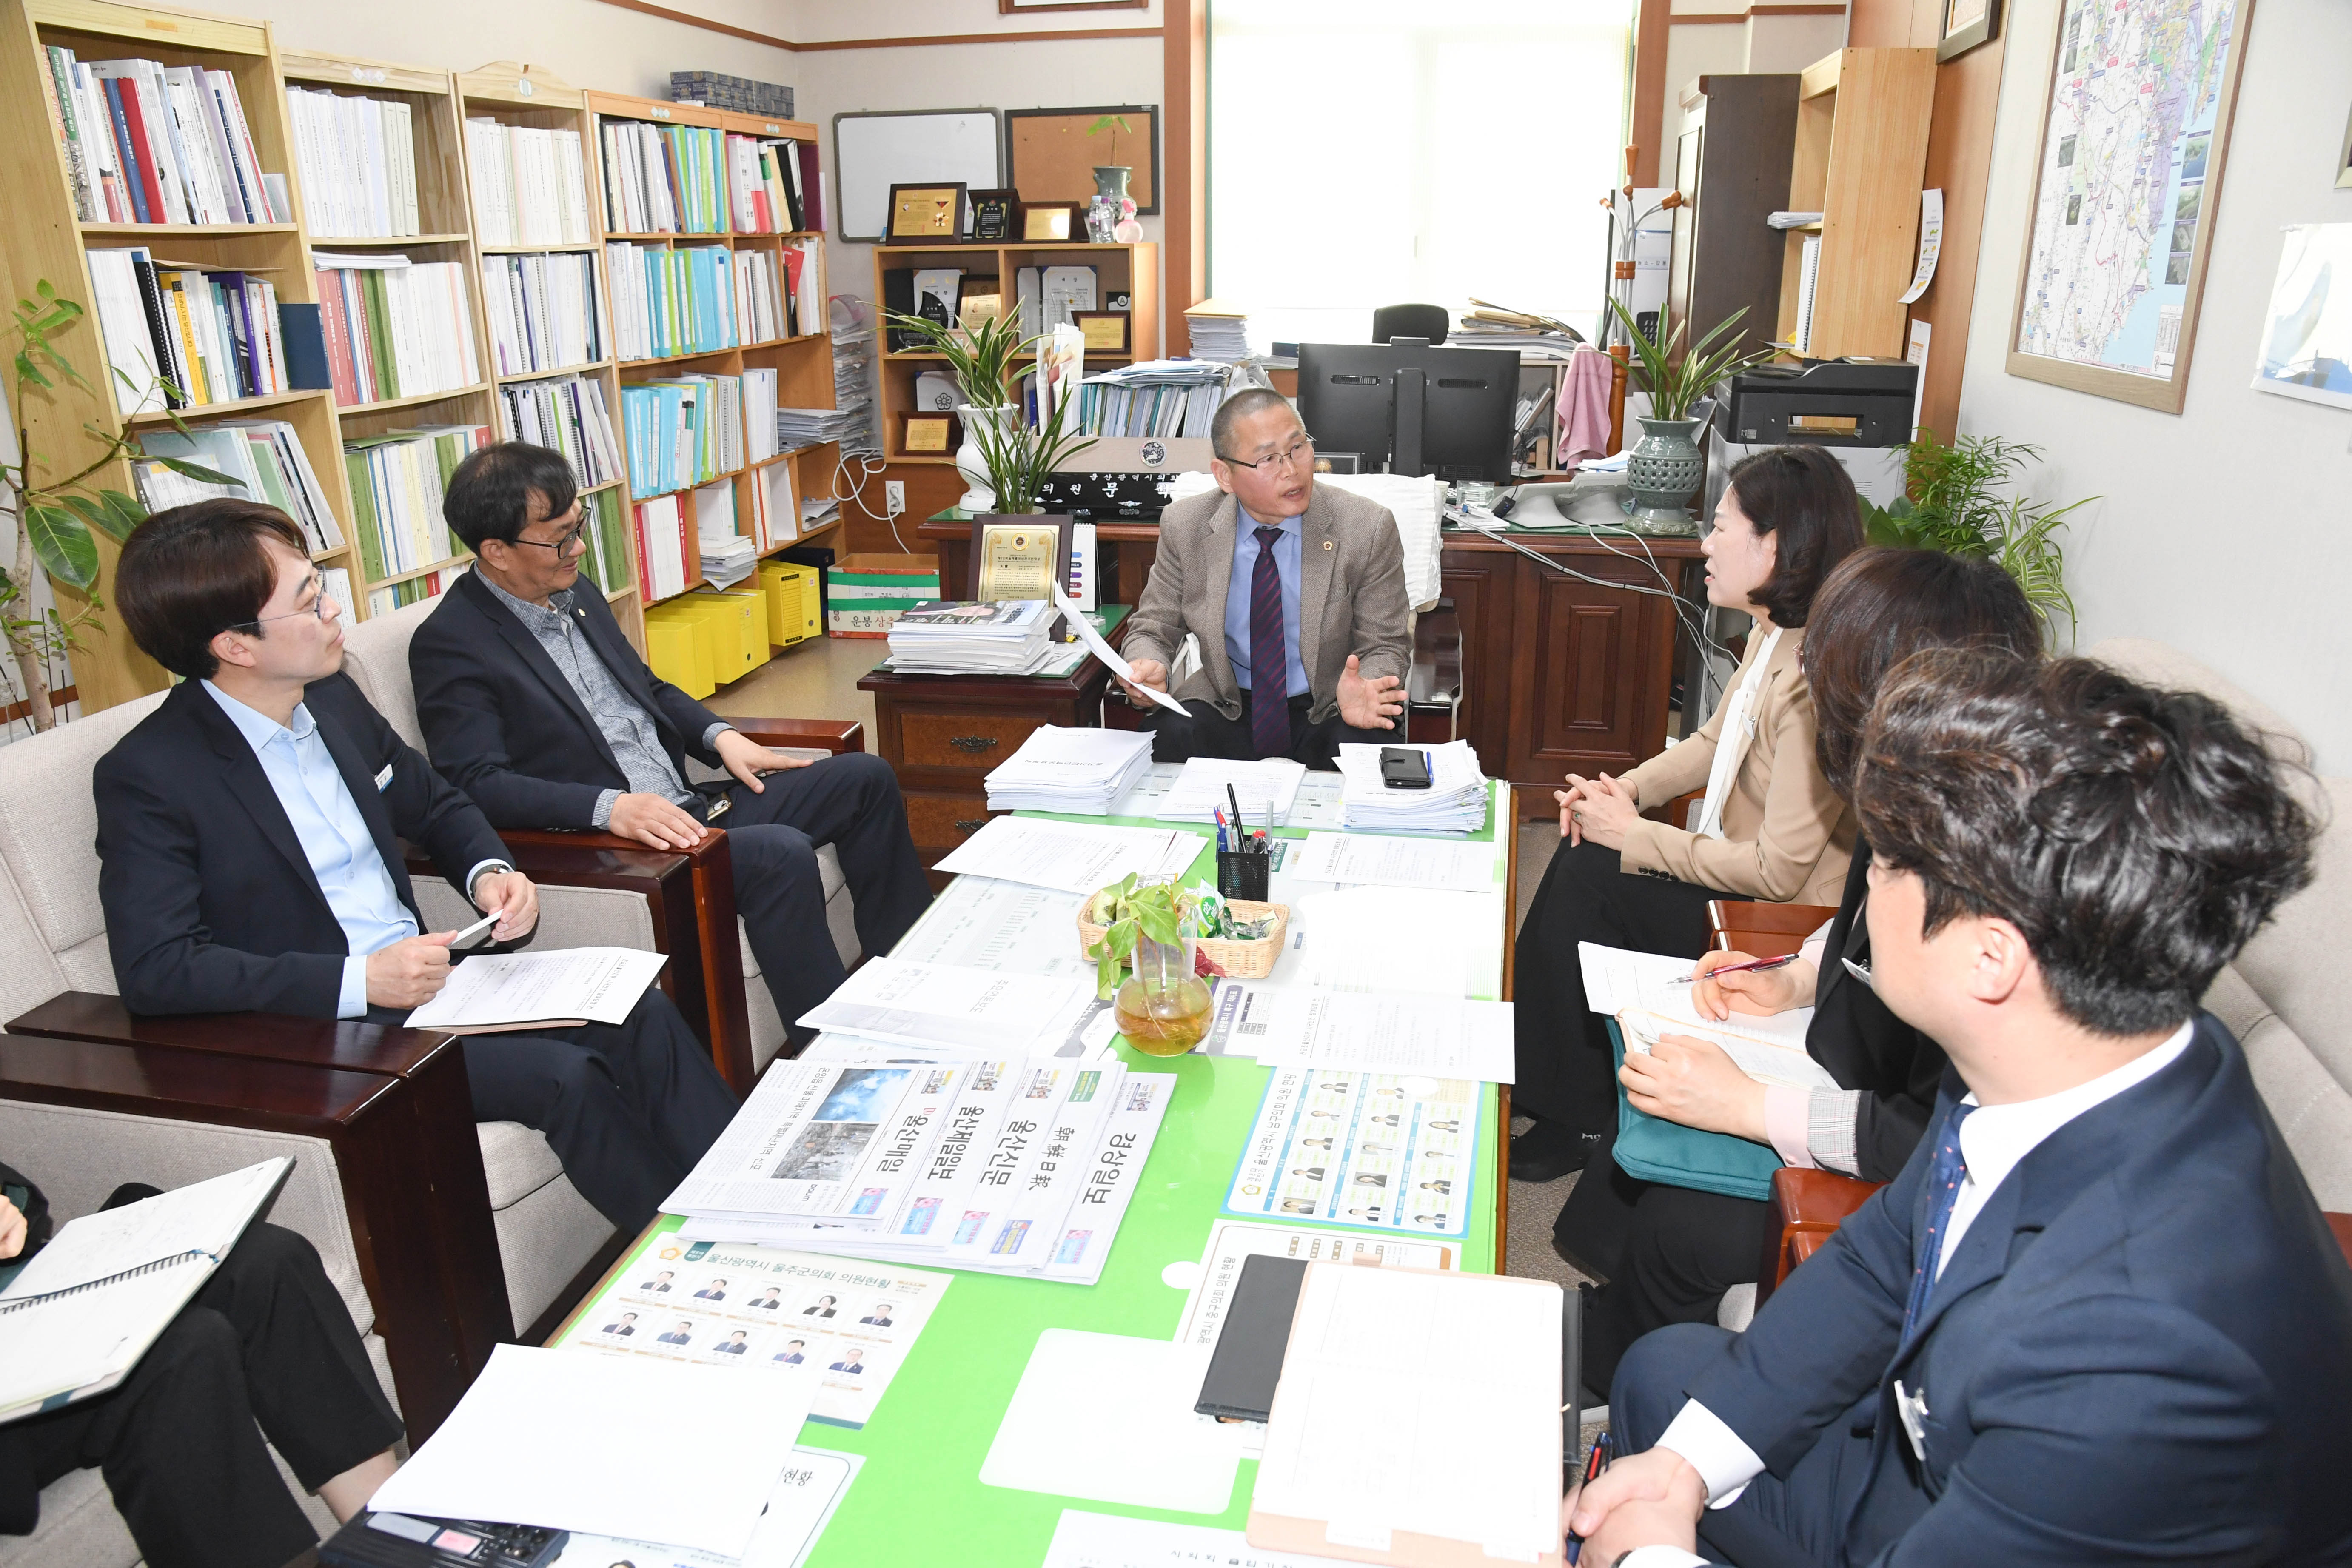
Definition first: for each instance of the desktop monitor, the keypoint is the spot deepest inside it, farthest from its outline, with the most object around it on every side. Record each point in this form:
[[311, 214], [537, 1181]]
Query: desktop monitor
[[1413, 408]]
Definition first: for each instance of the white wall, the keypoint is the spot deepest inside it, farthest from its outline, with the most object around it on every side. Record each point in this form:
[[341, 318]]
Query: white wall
[[815, 21], [1760, 46], [584, 43], [2225, 530]]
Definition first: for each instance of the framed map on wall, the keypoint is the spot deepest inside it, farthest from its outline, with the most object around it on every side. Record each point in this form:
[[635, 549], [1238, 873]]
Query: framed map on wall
[[2135, 131]]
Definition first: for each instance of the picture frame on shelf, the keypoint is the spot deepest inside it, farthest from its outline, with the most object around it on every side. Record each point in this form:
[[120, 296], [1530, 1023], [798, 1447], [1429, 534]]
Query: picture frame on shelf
[[1049, 155], [993, 213], [2075, 322], [1966, 24], [1023, 7], [978, 309], [1054, 221], [927, 435], [930, 214], [1106, 331]]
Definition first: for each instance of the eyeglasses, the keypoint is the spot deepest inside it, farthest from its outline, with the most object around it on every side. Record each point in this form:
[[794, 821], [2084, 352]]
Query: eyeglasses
[[1297, 453], [563, 546], [317, 608]]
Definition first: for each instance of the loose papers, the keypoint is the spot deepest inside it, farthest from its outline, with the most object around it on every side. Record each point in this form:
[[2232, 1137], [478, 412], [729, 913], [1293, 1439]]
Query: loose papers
[[1232, 1240], [1102, 651], [1075, 856], [945, 1007], [740, 1305], [1076, 771], [801, 1506], [1111, 1418], [601, 1458], [1361, 1149], [1264, 789], [1455, 802], [521, 990], [1084, 1540], [1399, 862], [1641, 990], [1403, 940], [1432, 1037]]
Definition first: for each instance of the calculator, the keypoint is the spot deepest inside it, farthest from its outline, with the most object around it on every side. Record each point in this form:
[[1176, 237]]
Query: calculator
[[405, 1540]]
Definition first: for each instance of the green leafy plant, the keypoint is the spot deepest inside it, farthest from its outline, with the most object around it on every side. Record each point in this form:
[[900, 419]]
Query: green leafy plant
[[1126, 910], [55, 519], [1955, 503], [980, 357], [1113, 123], [1673, 385], [1019, 456]]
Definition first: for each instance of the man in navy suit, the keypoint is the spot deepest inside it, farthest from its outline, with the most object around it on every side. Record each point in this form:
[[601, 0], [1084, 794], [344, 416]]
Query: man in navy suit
[[248, 837], [533, 703], [2098, 1318]]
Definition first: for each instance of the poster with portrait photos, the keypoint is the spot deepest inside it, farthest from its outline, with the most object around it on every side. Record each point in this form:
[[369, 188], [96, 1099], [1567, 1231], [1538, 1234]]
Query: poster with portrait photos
[[1382, 1150]]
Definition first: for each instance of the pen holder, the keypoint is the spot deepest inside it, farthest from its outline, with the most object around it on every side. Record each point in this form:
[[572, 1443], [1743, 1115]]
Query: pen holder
[[1244, 874]]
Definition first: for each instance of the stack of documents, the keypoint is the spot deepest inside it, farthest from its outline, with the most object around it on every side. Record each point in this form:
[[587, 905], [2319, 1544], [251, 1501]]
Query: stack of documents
[[1009, 1164], [1074, 857], [956, 637], [727, 557], [1792, 219], [1218, 331], [1455, 802], [1079, 771], [1264, 790], [807, 426]]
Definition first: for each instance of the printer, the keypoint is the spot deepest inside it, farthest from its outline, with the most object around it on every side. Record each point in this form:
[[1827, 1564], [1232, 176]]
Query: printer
[[1829, 402]]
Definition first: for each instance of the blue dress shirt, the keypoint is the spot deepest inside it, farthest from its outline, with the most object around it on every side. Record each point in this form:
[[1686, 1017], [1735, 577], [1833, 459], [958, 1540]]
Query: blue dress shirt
[[334, 837], [1288, 556]]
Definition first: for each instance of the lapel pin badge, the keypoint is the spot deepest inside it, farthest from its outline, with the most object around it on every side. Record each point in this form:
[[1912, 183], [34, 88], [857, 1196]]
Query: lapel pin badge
[[1329, 545]]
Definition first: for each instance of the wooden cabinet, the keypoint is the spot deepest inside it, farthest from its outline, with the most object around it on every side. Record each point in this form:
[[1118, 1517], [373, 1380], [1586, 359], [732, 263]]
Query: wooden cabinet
[[1567, 674], [1732, 166]]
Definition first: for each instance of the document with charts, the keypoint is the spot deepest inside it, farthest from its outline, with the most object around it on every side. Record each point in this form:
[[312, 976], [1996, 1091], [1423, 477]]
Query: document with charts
[[1376, 1151], [739, 1304]]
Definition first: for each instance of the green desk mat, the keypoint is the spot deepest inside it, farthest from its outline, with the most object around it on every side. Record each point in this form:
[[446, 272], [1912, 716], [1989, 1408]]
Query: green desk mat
[[919, 1499]]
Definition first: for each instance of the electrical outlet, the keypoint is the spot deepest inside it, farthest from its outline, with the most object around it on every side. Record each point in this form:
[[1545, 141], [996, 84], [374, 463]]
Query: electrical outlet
[[894, 496]]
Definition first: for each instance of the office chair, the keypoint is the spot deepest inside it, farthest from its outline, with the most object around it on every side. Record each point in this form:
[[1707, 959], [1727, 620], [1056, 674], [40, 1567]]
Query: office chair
[[1409, 321]]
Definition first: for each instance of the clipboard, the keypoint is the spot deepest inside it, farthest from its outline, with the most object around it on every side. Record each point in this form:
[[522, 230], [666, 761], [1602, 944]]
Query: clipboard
[[1402, 1548]]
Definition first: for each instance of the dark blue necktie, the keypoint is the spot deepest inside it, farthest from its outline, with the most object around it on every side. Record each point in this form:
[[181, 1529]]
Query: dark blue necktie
[[1269, 653], [1944, 1178]]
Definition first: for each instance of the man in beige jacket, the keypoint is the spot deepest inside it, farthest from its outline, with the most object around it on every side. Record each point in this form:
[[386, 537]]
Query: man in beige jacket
[[1296, 592]]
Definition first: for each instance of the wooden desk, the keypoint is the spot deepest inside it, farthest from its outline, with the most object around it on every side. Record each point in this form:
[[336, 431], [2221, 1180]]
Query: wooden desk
[[942, 733], [1558, 676]]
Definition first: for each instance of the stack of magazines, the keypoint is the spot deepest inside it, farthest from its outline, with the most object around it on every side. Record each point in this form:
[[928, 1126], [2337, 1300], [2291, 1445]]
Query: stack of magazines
[[1076, 771], [1455, 802], [958, 638]]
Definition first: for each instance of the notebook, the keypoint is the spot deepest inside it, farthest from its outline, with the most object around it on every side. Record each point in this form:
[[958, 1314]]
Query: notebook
[[75, 1319]]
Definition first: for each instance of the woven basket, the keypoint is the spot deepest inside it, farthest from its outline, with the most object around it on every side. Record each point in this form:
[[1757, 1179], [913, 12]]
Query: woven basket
[[1239, 960]]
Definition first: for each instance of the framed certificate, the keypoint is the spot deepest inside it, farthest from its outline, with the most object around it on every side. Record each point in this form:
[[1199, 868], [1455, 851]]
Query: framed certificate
[[1018, 557], [927, 434], [926, 215], [1106, 331]]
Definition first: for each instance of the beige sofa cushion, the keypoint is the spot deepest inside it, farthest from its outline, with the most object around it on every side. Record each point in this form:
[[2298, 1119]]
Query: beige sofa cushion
[[49, 837], [375, 656]]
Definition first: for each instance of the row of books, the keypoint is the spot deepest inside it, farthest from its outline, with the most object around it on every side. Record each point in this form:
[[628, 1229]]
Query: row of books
[[692, 179], [543, 312], [211, 335], [529, 186], [1165, 408], [609, 564], [682, 432], [393, 328], [358, 161], [397, 483], [761, 440], [263, 457], [146, 142], [668, 303], [661, 544], [568, 415], [397, 596]]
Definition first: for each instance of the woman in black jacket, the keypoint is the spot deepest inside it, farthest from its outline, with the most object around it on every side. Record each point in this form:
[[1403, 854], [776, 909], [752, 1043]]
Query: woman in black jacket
[[1667, 1254]]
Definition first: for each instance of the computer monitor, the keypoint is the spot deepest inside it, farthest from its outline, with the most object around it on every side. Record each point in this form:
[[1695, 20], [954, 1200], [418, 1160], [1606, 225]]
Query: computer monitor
[[1413, 408]]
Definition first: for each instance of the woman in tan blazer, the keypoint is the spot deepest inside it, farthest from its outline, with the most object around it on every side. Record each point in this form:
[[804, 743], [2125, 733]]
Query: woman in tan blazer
[[1769, 826]]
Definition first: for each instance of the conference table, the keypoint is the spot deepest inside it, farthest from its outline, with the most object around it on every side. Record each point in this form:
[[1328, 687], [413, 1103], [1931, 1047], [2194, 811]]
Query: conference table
[[918, 1497]]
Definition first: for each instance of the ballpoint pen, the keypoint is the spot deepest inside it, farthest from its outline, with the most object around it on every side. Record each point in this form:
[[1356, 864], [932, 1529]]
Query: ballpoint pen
[[1234, 800], [1753, 966]]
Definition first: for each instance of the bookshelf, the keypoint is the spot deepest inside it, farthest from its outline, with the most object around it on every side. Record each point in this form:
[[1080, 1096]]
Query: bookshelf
[[802, 363], [522, 95], [1861, 156], [1130, 270], [44, 238]]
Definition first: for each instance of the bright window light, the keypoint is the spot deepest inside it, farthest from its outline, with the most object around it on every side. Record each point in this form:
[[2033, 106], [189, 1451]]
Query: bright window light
[[1369, 152]]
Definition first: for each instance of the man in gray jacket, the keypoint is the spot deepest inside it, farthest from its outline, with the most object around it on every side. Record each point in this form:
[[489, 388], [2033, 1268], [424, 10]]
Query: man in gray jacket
[[1273, 563]]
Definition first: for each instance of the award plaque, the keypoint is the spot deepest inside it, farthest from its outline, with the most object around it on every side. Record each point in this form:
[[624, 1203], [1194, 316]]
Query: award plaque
[[1017, 560]]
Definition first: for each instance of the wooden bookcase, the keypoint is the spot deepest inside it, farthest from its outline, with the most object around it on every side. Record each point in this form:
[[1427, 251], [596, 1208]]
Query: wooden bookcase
[[1861, 154], [445, 218], [516, 94], [1130, 270], [45, 240], [802, 363]]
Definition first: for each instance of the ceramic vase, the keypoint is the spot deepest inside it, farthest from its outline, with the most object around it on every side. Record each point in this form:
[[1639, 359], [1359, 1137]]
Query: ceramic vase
[[1662, 472], [1110, 181], [980, 491]]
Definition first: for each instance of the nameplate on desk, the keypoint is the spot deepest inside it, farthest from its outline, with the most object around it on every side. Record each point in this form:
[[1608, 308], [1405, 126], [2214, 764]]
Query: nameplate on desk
[[1141, 454]]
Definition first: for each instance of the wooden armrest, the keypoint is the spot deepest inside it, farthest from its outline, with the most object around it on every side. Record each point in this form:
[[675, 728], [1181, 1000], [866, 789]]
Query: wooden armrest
[[1751, 914], [1676, 813], [1806, 1207], [2341, 1224], [834, 735], [345, 1045]]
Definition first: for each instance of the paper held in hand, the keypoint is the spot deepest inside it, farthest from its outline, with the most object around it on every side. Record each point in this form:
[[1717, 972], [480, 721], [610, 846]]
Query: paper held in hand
[[1105, 652], [1639, 990], [562, 990]]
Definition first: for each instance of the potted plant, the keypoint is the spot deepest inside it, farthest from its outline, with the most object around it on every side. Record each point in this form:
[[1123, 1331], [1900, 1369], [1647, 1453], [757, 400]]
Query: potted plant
[[53, 519], [1953, 504], [1162, 1007], [1664, 467], [1110, 179], [980, 359]]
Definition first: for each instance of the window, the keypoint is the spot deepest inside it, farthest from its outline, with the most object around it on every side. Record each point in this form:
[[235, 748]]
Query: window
[[1369, 152]]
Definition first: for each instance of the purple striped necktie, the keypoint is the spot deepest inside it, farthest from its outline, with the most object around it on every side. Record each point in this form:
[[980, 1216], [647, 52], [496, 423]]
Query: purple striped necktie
[[1269, 654]]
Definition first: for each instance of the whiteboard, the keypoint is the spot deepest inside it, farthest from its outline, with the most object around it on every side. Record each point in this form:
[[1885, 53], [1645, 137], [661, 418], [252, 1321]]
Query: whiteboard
[[871, 152]]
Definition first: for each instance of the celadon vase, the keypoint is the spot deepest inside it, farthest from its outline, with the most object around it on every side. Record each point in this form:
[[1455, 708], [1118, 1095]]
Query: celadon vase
[[1663, 471], [979, 491], [1110, 180]]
